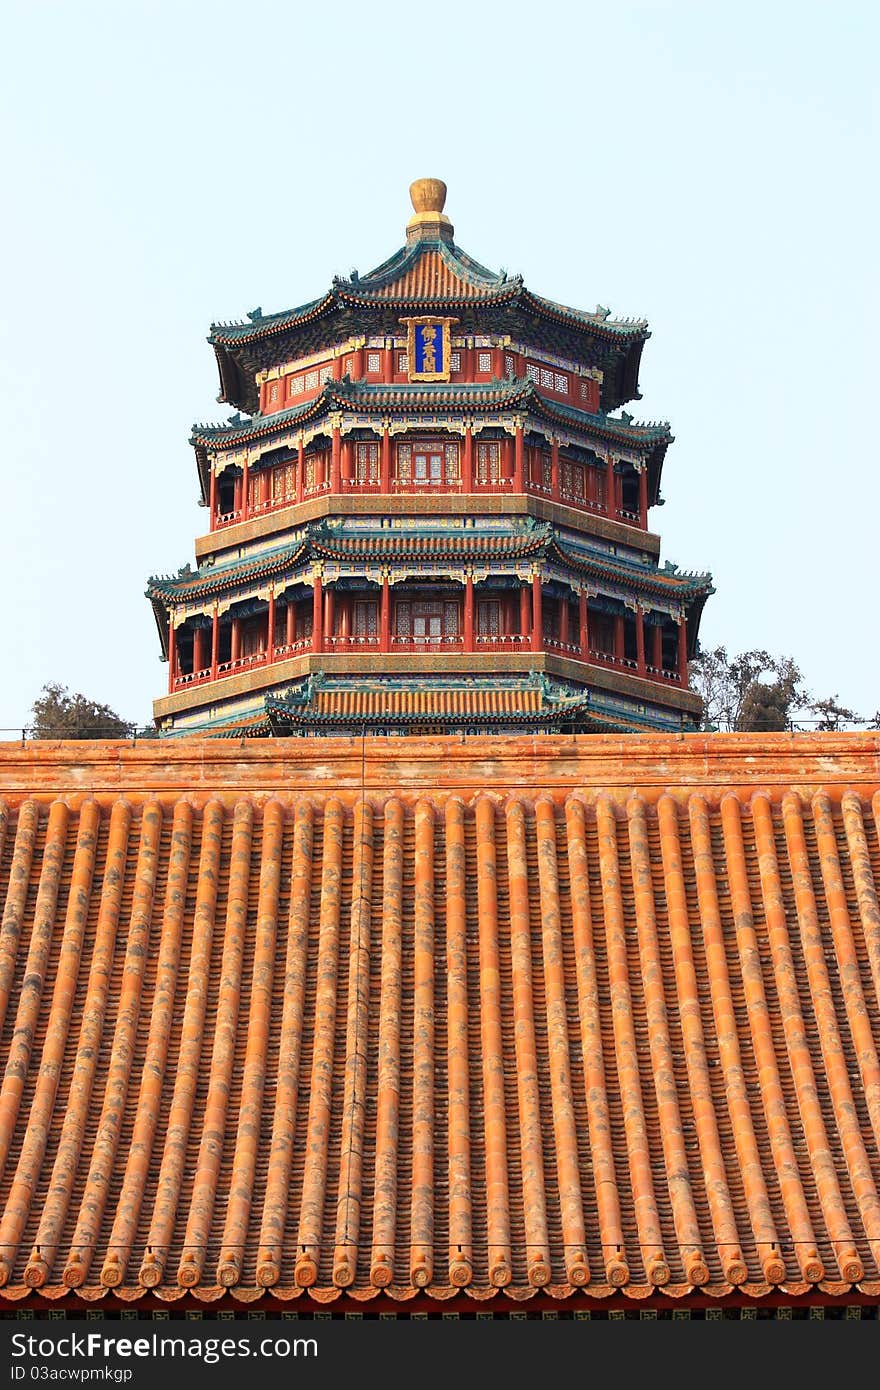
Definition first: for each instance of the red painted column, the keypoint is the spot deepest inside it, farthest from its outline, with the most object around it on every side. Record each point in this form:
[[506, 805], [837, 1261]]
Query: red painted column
[[290, 632], [358, 365], [554, 470], [610, 488], [336, 369], [385, 462], [213, 500], [236, 639], [385, 616], [317, 615], [640, 640], [682, 650], [469, 612], [518, 461], [643, 497], [619, 646], [563, 622], [270, 626], [300, 471], [329, 612], [388, 365], [507, 456], [244, 488], [344, 616], [584, 624], [525, 618], [335, 460], [467, 472], [198, 650], [172, 653], [657, 647], [498, 362], [347, 448], [537, 615], [215, 643]]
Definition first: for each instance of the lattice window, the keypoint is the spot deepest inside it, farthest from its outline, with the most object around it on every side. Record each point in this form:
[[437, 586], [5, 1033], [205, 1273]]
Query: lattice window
[[312, 381], [325, 374], [273, 392], [374, 363], [367, 463], [509, 364], [296, 386], [533, 373], [547, 471], [573, 481], [253, 636], [484, 363], [348, 368], [403, 619], [428, 464], [546, 379], [366, 618], [455, 361], [585, 390], [489, 462], [560, 383], [284, 483], [453, 466], [311, 477], [404, 462], [488, 618], [450, 619], [402, 364]]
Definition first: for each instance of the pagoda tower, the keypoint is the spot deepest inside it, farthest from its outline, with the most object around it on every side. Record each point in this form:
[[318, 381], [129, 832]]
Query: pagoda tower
[[429, 513]]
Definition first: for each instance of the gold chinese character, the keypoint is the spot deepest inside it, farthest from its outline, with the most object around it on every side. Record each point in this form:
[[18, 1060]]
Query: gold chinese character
[[429, 351]]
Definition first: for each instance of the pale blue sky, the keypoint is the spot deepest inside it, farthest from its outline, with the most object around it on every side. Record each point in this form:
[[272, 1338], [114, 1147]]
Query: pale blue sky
[[710, 167]]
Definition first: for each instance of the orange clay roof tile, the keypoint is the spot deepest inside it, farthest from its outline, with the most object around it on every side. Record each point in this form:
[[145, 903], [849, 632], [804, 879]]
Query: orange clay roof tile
[[473, 1019]]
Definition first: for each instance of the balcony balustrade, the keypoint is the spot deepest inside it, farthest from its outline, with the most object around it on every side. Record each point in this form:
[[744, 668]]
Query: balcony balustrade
[[350, 642], [483, 645], [426, 644], [501, 643]]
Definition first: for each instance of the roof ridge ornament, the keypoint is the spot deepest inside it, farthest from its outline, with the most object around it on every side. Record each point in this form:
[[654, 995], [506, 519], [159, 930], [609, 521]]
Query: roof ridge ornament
[[428, 222]]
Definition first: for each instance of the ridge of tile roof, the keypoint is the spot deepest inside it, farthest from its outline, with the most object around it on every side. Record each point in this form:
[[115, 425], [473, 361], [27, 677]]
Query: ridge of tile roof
[[481, 1020]]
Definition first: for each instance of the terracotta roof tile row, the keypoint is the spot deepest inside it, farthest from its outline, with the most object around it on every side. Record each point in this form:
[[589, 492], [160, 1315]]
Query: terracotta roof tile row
[[357, 1022]]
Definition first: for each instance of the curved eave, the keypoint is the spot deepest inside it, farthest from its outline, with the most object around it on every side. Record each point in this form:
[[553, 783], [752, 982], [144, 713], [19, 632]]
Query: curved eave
[[160, 613], [694, 615], [168, 592], [517, 393], [233, 335], [616, 331], [692, 589]]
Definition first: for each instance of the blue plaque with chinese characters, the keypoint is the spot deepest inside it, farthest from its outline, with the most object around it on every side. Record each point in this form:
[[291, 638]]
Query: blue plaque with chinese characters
[[428, 349]]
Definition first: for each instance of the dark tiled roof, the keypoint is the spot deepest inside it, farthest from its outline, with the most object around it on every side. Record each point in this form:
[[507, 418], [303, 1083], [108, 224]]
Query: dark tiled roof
[[512, 393], [482, 1019], [424, 274], [217, 579]]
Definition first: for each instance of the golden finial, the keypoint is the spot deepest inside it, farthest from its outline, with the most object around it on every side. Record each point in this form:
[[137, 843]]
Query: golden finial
[[428, 197]]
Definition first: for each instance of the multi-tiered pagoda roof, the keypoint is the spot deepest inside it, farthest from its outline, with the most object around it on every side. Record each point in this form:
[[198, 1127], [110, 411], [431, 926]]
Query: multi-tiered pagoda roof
[[429, 509]]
